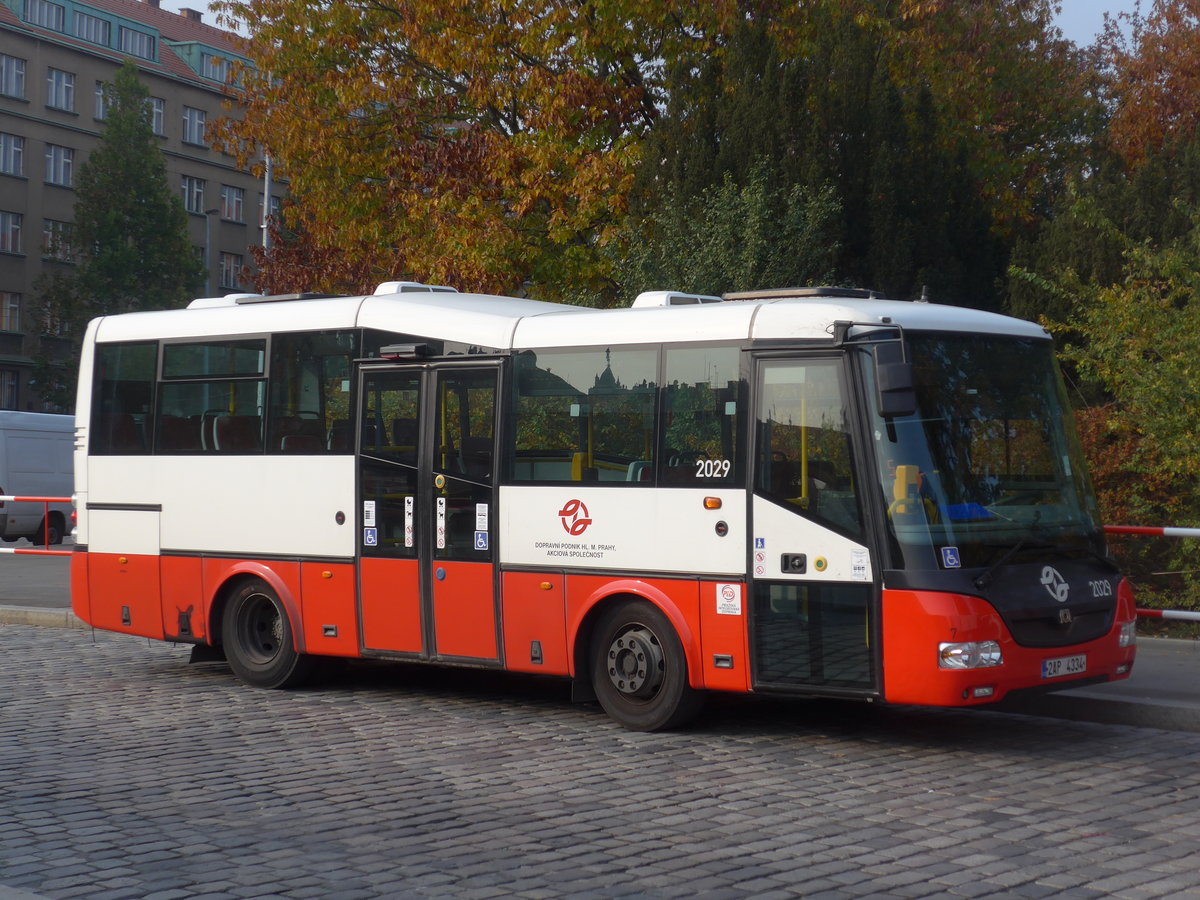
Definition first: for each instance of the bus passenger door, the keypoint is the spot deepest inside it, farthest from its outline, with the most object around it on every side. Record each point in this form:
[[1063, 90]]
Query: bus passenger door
[[426, 494], [388, 489], [813, 608]]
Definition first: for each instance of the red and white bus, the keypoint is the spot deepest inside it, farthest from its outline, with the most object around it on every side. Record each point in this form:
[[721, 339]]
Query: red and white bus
[[805, 491]]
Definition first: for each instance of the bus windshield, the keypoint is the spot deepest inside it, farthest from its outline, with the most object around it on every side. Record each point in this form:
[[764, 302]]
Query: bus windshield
[[989, 464]]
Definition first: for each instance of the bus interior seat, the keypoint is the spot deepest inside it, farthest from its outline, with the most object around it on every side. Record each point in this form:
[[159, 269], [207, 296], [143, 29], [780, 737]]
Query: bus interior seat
[[301, 443], [341, 435], [120, 432], [640, 470], [477, 457], [178, 433], [237, 434], [404, 432]]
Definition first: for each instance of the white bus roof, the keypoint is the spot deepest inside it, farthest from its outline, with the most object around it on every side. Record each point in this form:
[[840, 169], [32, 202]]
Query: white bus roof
[[512, 323]]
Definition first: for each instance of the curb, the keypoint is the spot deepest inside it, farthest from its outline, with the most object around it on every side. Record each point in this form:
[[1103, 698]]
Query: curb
[[53, 618]]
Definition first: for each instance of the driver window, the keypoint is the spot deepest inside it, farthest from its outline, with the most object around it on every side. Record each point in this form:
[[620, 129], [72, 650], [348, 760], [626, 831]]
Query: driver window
[[804, 459]]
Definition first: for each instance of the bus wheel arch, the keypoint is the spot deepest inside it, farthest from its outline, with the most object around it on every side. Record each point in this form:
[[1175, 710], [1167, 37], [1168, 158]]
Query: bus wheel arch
[[633, 659], [255, 625]]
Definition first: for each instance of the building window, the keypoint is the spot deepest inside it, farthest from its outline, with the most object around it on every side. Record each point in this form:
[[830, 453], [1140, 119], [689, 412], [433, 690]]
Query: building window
[[12, 154], [56, 240], [60, 89], [101, 103], [10, 232], [193, 125], [12, 76], [46, 14], [8, 389], [158, 115], [231, 268], [232, 202], [91, 28], [10, 311], [136, 43], [193, 194], [214, 67], [60, 165]]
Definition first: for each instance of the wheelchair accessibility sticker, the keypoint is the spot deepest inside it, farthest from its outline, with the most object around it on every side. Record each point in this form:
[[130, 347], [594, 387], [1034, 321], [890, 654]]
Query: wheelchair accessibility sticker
[[481, 540], [950, 558], [370, 537]]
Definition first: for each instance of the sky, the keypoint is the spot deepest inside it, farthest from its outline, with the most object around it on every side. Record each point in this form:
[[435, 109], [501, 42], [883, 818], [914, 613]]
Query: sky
[[1080, 20]]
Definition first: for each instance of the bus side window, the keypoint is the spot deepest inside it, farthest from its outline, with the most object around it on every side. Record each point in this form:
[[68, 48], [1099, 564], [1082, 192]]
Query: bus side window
[[702, 429], [585, 416], [123, 399], [309, 407]]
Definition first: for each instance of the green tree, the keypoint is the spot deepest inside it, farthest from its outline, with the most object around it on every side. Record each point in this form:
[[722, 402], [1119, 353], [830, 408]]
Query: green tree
[[129, 240], [1114, 273], [733, 237], [898, 211]]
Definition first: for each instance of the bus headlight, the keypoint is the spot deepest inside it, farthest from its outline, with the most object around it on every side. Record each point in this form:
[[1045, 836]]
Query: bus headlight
[[1127, 636], [969, 655]]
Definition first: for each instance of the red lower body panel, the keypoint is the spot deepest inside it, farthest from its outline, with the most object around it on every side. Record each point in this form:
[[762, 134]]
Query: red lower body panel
[[916, 622]]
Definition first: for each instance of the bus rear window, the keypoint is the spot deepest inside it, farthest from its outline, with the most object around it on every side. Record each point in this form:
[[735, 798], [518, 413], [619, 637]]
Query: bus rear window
[[122, 398]]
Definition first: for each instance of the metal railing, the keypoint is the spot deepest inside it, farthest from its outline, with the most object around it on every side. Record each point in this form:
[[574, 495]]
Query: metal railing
[[45, 501], [1156, 531]]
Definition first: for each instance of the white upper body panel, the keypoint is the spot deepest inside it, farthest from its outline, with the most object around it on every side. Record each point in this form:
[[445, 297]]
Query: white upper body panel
[[504, 323]]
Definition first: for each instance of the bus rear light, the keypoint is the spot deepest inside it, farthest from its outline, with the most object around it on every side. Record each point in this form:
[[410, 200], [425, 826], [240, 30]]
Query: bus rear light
[[1127, 636], [969, 655]]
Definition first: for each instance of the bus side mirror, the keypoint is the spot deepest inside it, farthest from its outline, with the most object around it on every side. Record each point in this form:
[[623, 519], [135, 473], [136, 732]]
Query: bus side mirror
[[895, 385]]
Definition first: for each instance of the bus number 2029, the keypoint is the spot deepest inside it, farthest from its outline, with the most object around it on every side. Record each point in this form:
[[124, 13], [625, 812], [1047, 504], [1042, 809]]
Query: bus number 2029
[[712, 468]]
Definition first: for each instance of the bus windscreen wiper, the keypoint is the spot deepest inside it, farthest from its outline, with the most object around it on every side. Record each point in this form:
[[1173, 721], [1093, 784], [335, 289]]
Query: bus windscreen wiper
[[984, 578]]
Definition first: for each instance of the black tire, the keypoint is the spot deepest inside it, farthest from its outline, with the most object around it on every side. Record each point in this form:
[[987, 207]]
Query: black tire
[[257, 637], [56, 532], [639, 672]]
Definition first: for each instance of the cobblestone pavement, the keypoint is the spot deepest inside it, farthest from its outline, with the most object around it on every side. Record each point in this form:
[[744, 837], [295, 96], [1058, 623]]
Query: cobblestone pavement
[[125, 772]]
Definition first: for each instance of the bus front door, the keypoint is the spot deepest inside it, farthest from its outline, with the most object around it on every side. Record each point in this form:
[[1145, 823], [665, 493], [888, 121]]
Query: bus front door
[[426, 479]]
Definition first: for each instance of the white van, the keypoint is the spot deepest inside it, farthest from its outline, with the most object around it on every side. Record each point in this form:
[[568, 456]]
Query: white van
[[36, 452]]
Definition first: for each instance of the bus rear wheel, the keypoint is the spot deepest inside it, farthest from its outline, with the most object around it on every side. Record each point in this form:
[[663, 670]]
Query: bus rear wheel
[[258, 640], [639, 672]]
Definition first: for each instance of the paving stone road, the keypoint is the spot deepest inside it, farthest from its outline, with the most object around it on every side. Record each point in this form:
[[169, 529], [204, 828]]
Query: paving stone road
[[125, 772]]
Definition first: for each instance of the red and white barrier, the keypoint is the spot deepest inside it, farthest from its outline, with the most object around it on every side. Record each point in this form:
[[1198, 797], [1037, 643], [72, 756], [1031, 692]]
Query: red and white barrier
[[1156, 531], [1151, 530], [46, 501]]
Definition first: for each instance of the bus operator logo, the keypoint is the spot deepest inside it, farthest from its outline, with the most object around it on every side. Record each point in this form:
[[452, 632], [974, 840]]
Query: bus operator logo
[[574, 516], [1055, 584]]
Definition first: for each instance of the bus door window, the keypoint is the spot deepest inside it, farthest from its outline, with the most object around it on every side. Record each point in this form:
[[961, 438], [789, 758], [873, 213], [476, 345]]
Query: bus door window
[[388, 463], [464, 463], [804, 457]]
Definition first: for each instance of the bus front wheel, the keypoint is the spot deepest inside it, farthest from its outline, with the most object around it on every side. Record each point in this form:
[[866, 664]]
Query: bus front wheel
[[258, 641], [639, 672]]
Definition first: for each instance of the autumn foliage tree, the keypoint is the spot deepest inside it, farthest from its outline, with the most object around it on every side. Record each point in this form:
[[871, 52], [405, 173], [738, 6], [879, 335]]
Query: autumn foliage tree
[[1154, 78], [458, 142], [493, 145]]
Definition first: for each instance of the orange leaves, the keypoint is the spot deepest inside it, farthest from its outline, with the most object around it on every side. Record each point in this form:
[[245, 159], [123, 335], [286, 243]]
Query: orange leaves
[[460, 141], [1156, 84]]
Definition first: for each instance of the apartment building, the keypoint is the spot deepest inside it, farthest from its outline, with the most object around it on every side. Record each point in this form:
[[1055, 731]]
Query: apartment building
[[54, 56]]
